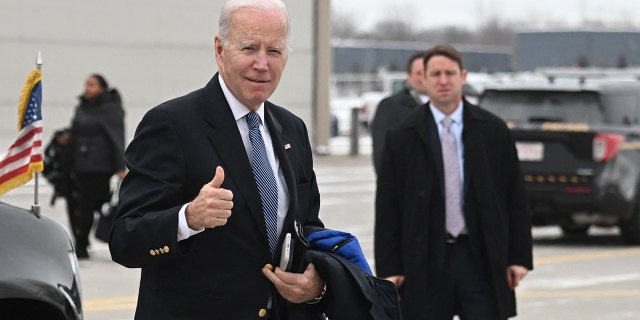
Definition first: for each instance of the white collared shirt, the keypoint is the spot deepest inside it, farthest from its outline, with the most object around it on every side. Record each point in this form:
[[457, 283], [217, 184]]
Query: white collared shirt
[[239, 112]]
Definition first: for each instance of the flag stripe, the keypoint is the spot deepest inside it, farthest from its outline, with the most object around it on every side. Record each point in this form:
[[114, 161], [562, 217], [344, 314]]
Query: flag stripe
[[24, 157], [29, 132], [18, 174], [16, 153]]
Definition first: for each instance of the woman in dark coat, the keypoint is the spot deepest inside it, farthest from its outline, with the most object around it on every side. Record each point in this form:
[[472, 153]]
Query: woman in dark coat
[[97, 137]]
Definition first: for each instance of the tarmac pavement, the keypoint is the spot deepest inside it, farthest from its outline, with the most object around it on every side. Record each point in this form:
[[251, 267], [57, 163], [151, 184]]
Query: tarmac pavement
[[587, 278]]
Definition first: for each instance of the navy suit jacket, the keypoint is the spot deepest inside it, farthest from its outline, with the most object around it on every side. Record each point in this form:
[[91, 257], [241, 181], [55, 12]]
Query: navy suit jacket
[[215, 274]]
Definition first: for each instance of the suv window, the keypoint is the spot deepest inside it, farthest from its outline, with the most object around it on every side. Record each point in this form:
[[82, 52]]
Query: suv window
[[625, 110], [543, 106]]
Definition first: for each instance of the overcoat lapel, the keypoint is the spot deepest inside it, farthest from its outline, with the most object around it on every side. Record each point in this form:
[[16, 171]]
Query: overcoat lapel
[[473, 145], [431, 138]]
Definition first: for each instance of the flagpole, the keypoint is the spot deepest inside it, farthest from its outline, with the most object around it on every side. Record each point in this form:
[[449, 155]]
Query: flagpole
[[36, 207]]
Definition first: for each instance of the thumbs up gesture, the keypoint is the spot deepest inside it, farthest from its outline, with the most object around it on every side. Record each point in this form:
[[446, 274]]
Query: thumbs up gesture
[[212, 207]]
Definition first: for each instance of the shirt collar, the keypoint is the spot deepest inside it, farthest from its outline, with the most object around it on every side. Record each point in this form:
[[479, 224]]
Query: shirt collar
[[456, 116], [237, 108]]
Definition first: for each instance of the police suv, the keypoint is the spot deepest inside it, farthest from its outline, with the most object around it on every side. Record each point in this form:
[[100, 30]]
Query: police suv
[[578, 141]]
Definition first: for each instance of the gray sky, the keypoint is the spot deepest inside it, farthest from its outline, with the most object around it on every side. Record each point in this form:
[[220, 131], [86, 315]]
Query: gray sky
[[533, 13]]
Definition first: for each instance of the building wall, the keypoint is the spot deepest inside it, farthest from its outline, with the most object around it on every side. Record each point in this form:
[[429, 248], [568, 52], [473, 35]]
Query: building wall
[[363, 56], [565, 48], [150, 50]]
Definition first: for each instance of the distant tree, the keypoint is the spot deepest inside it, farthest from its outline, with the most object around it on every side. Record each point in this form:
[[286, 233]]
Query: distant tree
[[393, 29], [493, 32], [453, 34], [398, 27], [343, 26]]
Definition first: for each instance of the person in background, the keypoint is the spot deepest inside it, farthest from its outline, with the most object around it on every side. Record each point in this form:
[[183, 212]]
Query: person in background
[[452, 227], [216, 179], [97, 153], [394, 108], [57, 170]]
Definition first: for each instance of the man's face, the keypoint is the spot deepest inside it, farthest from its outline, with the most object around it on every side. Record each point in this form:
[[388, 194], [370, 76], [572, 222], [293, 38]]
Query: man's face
[[444, 81], [253, 59], [416, 76]]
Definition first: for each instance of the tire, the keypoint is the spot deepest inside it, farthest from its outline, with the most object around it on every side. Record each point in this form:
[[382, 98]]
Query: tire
[[630, 229]]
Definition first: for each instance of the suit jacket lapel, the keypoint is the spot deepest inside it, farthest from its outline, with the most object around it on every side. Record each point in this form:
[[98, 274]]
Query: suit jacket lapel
[[227, 142], [279, 140]]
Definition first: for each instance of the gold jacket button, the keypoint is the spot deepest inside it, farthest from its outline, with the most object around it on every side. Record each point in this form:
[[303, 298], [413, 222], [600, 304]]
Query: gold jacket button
[[262, 313], [152, 252], [166, 249]]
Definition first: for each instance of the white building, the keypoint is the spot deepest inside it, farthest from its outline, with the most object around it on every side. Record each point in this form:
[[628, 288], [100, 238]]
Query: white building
[[150, 50]]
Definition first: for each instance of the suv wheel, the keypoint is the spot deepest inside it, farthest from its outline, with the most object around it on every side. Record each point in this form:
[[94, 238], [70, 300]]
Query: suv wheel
[[630, 229]]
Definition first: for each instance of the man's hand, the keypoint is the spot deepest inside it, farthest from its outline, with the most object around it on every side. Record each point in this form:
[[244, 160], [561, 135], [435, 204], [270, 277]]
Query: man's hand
[[514, 275], [121, 174], [296, 287], [397, 280], [212, 207]]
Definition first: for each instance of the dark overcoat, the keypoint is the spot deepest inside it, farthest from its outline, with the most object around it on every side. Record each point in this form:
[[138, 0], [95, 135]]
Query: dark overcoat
[[97, 134], [390, 111], [410, 218]]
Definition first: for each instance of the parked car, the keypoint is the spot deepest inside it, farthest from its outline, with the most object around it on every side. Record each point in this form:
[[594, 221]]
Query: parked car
[[578, 141], [38, 268]]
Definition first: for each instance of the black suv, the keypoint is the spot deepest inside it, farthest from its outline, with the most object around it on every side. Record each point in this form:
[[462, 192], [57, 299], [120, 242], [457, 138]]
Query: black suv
[[578, 141]]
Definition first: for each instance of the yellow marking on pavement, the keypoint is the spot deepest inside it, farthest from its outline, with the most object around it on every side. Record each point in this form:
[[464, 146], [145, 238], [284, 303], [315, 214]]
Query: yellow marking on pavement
[[582, 293], [578, 293], [129, 303], [119, 303], [586, 256]]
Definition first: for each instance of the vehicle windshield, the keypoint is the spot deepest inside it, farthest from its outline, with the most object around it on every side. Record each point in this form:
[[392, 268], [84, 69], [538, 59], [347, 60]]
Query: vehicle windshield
[[543, 106]]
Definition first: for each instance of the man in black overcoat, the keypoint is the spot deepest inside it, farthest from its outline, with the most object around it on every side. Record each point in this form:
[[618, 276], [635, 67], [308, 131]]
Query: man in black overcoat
[[469, 268]]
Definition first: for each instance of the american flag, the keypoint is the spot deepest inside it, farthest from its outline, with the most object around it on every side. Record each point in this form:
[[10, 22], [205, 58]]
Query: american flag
[[24, 157]]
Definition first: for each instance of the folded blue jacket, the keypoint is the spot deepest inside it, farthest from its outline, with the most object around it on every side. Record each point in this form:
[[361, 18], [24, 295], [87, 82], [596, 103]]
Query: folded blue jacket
[[340, 243]]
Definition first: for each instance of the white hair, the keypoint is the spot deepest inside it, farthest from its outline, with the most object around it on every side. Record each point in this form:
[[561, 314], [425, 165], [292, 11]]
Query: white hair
[[224, 24]]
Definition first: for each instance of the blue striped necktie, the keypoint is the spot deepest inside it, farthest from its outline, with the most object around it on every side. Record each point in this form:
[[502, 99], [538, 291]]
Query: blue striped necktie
[[265, 180]]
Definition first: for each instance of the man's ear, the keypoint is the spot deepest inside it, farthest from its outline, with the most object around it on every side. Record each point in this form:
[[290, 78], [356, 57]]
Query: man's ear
[[218, 47]]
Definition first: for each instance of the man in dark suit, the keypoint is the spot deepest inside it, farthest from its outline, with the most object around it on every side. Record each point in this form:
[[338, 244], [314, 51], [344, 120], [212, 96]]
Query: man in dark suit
[[452, 227], [396, 107], [193, 213]]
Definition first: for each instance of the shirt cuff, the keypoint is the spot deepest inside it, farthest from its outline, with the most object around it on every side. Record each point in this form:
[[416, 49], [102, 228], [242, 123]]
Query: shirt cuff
[[184, 232]]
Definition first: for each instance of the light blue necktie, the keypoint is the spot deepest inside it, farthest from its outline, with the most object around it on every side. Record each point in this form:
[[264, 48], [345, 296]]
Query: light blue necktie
[[265, 179]]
